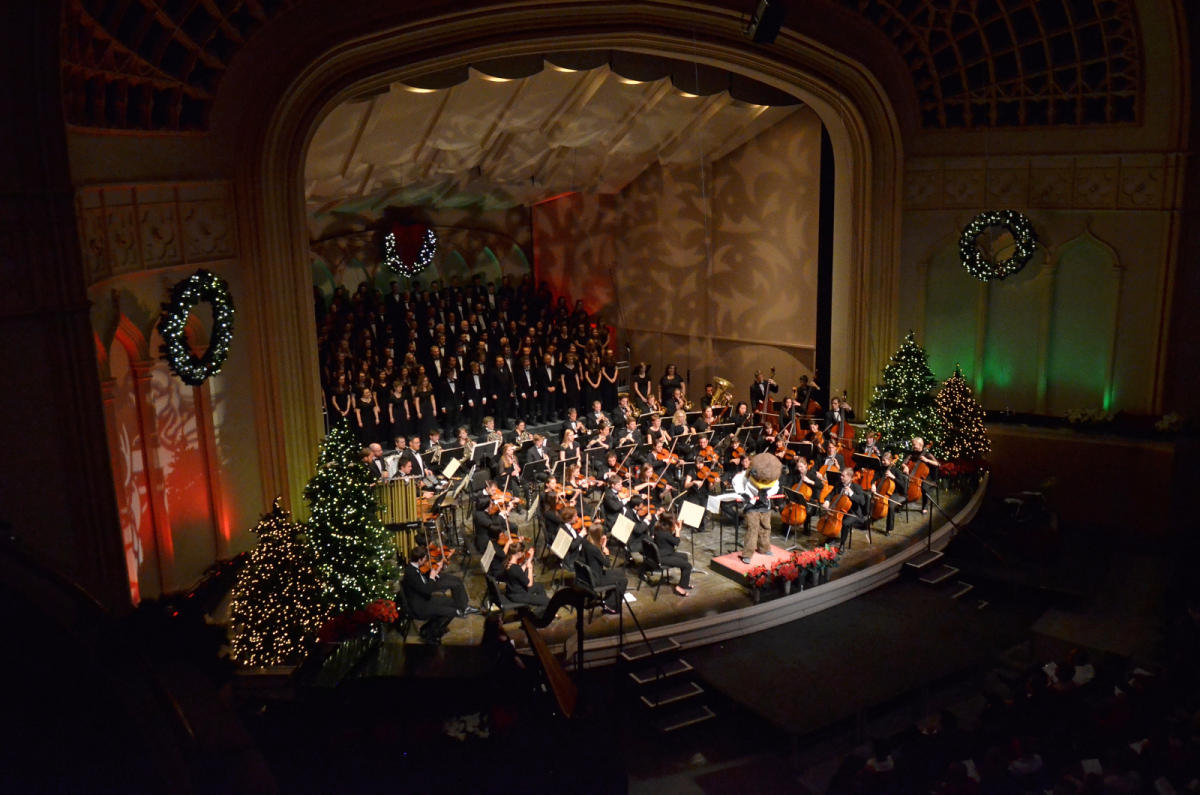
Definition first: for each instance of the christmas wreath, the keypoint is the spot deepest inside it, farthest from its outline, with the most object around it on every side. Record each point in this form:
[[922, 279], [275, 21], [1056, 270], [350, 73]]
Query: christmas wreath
[[201, 286], [977, 263], [409, 249]]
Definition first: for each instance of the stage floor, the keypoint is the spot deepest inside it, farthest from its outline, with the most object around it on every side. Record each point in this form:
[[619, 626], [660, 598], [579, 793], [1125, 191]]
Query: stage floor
[[713, 593]]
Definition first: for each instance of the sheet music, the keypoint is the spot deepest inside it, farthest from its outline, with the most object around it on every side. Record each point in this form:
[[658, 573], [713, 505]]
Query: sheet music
[[451, 468], [714, 502], [622, 529], [485, 560], [562, 544], [691, 514]]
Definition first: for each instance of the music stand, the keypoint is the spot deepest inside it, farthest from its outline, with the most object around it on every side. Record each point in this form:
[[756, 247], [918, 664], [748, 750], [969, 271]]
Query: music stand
[[482, 451], [452, 452], [534, 471], [719, 431], [802, 449], [868, 461], [743, 434]]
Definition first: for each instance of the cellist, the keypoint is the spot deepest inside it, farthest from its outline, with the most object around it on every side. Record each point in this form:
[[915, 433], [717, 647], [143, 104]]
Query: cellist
[[850, 500], [918, 465]]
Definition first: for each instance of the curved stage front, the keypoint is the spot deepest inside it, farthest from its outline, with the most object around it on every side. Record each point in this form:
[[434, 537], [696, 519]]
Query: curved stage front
[[721, 607]]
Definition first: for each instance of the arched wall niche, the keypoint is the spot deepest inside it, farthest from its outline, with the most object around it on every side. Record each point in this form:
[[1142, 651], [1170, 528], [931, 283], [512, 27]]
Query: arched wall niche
[[266, 119]]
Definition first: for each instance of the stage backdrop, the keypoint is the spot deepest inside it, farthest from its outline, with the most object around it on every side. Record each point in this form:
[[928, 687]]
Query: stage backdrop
[[711, 268]]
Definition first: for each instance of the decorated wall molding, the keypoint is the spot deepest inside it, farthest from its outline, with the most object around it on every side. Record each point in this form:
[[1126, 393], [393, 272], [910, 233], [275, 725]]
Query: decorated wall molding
[[1147, 181], [126, 229]]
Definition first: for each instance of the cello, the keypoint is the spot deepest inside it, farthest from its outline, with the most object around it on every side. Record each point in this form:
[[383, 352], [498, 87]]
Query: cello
[[830, 524], [881, 496], [795, 514]]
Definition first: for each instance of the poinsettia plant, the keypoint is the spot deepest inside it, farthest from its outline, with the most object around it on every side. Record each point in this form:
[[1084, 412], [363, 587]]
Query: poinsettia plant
[[350, 625], [759, 577], [786, 569]]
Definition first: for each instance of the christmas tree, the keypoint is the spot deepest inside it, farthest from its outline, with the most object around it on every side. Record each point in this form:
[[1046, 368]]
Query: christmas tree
[[355, 553], [277, 599], [964, 436], [902, 405]]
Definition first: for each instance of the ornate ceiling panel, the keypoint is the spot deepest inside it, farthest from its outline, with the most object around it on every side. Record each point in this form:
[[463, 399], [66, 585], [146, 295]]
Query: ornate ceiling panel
[[156, 64], [1016, 63], [152, 64], [492, 142]]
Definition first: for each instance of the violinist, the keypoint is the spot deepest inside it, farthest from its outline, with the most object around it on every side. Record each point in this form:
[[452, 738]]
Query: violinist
[[426, 593], [566, 520], [852, 501], [666, 539], [594, 552], [610, 465], [518, 577], [488, 522]]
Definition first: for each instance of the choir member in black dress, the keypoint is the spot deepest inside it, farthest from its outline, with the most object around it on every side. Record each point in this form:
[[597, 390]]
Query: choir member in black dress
[[670, 381], [366, 414], [666, 539], [641, 387]]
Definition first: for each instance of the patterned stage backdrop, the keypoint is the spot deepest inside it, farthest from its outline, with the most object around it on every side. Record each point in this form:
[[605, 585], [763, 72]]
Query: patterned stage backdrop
[[711, 268]]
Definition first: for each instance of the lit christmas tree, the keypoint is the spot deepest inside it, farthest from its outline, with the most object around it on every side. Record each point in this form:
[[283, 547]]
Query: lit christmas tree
[[902, 405], [964, 436], [355, 553], [277, 603]]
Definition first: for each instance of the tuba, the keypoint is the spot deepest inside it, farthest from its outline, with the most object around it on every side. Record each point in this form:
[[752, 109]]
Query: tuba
[[723, 394]]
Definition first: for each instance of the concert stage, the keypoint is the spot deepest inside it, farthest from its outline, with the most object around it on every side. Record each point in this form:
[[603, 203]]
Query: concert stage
[[721, 607]]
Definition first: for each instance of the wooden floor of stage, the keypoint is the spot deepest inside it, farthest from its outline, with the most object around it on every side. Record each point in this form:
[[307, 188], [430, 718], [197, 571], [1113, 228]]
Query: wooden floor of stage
[[713, 593]]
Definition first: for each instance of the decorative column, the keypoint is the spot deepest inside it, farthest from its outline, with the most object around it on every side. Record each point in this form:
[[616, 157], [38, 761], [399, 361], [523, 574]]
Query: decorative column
[[71, 523]]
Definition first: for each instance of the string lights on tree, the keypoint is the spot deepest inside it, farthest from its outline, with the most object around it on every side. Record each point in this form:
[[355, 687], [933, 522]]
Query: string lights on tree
[[355, 553], [278, 604], [981, 264], [902, 404], [409, 249], [202, 286], [964, 444]]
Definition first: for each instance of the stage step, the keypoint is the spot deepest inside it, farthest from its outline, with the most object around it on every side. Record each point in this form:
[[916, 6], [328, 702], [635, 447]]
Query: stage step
[[656, 673], [684, 718], [924, 560], [962, 589], [939, 575], [672, 694], [641, 651]]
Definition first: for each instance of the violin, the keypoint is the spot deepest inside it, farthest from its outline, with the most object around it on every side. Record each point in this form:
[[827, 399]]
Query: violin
[[581, 523], [501, 500], [667, 457], [708, 475], [707, 456]]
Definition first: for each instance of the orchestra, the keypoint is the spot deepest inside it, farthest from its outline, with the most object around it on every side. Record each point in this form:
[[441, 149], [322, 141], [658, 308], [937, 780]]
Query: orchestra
[[589, 471]]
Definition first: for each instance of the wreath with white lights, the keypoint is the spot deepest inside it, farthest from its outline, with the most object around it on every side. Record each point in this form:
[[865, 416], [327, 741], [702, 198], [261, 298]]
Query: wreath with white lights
[[974, 259], [202, 286], [408, 250]]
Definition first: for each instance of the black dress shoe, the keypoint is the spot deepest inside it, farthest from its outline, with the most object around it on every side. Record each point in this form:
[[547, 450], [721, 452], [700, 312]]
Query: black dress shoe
[[470, 611]]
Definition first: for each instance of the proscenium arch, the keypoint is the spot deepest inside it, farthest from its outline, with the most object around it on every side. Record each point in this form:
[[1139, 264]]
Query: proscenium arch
[[268, 120]]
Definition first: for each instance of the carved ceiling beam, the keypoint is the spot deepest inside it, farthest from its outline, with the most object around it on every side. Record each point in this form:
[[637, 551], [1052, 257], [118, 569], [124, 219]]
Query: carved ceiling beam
[[100, 33]]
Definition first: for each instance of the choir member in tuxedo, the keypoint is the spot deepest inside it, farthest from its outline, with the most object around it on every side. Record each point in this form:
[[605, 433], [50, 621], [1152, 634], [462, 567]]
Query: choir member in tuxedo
[[526, 391], [594, 554], [549, 389], [666, 539], [434, 597], [500, 384], [518, 577], [450, 401], [474, 397]]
